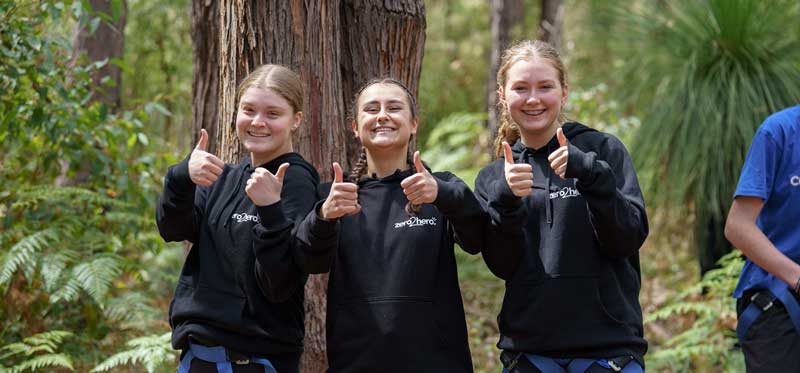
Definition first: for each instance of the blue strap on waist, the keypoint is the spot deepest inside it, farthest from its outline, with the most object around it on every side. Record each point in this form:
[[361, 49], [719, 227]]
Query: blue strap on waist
[[777, 289], [550, 365], [218, 355]]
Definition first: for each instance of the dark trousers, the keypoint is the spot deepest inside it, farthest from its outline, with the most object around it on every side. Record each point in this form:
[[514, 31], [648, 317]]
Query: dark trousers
[[771, 344]]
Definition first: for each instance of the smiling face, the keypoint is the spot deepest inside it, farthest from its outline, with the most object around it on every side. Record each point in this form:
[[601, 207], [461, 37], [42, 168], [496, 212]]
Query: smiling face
[[264, 124], [533, 96], [384, 118]]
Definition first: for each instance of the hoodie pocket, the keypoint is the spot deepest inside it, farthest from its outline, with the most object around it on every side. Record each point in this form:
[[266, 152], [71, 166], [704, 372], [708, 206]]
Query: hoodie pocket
[[369, 333], [555, 311], [206, 305]]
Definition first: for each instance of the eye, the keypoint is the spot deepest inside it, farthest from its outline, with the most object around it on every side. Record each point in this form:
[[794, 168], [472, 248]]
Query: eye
[[371, 110], [518, 88], [395, 108]]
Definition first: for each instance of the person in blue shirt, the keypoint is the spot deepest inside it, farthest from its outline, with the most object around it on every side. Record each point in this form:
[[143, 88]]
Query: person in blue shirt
[[764, 223]]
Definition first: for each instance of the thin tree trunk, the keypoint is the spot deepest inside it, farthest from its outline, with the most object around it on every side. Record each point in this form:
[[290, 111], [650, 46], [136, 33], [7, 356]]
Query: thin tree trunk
[[505, 16], [105, 43], [550, 22], [335, 48]]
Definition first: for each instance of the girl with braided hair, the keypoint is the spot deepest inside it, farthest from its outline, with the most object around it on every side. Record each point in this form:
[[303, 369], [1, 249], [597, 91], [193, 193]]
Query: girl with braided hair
[[386, 233]]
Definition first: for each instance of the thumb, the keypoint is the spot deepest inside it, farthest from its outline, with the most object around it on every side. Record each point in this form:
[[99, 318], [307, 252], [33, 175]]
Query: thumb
[[418, 163], [281, 171], [337, 173], [562, 140], [203, 143], [507, 153]]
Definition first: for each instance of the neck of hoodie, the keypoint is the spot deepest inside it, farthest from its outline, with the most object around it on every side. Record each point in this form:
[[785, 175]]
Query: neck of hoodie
[[537, 141]]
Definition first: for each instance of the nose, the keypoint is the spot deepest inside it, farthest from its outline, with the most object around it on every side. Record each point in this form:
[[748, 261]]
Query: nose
[[259, 120], [383, 115], [533, 99]]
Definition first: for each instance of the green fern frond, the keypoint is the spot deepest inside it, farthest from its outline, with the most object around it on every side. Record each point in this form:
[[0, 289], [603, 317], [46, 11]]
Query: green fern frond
[[53, 266], [682, 308], [70, 196], [39, 362], [68, 293], [95, 276], [24, 253], [149, 351]]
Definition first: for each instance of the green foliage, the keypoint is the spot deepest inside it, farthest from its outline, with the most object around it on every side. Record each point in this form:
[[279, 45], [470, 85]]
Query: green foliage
[[705, 74], [706, 316], [35, 353], [76, 247], [151, 351], [458, 144]]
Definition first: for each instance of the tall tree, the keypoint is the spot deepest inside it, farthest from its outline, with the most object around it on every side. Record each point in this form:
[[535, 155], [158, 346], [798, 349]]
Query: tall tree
[[550, 21], [506, 15], [105, 42], [335, 47], [99, 36]]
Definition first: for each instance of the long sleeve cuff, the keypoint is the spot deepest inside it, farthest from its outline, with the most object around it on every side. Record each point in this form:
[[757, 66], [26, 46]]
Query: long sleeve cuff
[[272, 216]]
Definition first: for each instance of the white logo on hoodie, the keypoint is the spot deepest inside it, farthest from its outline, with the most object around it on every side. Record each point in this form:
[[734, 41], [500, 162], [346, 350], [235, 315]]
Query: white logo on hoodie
[[565, 192], [243, 217], [415, 222]]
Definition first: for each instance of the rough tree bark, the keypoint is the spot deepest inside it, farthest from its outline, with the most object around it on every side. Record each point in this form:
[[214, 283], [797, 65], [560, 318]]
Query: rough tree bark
[[335, 48], [505, 16], [550, 22]]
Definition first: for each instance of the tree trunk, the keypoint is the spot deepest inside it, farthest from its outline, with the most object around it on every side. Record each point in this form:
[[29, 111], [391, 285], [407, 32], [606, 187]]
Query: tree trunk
[[105, 43], [505, 16], [550, 22], [335, 48], [205, 67]]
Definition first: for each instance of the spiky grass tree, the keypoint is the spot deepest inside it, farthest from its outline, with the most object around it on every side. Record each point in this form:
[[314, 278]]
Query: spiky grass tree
[[708, 73]]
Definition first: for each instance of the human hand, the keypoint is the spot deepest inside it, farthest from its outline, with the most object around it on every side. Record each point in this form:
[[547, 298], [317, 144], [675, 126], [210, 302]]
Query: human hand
[[519, 177], [558, 159], [204, 167], [420, 187], [342, 199], [263, 187]]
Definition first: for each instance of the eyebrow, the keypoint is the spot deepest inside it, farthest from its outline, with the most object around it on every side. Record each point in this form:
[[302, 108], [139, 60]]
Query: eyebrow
[[391, 101]]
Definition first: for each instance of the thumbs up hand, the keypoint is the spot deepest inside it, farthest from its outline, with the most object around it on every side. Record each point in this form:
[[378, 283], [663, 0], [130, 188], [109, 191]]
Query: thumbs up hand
[[342, 199], [518, 176], [558, 159], [204, 167], [263, 187], [420, 187]]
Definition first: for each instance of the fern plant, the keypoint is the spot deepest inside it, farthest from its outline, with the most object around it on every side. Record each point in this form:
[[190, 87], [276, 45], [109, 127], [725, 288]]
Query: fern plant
[[706, 316], [35, 353], [151, 352]]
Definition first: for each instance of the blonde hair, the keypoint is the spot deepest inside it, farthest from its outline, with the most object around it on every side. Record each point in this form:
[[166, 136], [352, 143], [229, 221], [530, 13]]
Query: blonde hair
[[525, 50], [280, 79]]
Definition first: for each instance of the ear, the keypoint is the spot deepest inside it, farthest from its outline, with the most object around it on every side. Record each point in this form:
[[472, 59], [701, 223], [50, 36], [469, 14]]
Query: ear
[[565, 91], [298, 117], [354, 126], [414, 125]]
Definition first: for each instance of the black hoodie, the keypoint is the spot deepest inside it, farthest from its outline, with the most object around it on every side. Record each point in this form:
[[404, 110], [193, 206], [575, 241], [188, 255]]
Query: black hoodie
[[569, 251], [239, 286], [394, 303]]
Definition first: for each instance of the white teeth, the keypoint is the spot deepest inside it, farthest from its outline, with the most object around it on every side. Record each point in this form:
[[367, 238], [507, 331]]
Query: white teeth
[[383, 129], [534, 112], [255, 134]]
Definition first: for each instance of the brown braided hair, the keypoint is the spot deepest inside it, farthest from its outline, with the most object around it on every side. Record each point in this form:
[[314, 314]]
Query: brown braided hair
[[361, 166], [525, 50]]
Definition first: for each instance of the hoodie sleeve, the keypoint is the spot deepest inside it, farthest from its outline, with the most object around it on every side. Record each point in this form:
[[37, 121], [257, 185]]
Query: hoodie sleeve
[[608, 183], [276, 269], [318, 241], [504, 243], [180, 206], [458, 204]]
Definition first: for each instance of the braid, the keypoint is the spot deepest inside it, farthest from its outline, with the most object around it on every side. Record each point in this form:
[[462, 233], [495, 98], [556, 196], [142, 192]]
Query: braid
[[508, 131], [360, 168], [411, 209]]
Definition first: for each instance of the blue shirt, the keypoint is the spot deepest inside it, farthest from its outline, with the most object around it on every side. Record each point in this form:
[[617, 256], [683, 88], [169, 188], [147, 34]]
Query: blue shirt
[[772, 172]]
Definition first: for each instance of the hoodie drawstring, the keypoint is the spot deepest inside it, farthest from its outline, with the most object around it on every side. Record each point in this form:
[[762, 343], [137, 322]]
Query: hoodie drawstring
[[548, 202]]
